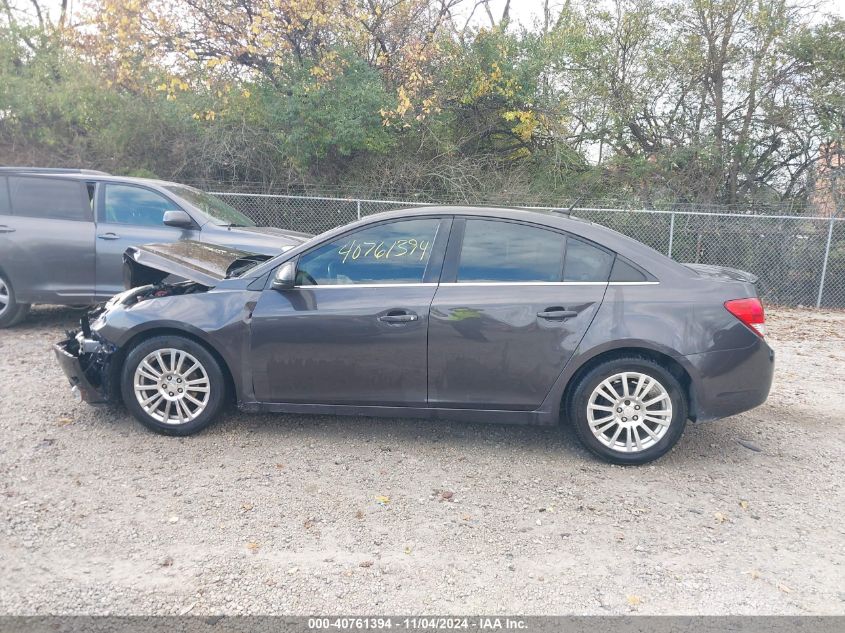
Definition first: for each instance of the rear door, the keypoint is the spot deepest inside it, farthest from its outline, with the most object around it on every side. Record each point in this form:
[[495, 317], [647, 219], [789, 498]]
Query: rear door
[[47, 240], [514, 302], [130, 215]]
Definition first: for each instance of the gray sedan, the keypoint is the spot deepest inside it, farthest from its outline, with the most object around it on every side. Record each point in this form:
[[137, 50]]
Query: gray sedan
[[480, 314]]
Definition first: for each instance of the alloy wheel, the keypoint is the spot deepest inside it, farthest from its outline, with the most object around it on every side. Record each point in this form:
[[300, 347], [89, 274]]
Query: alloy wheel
[[172, 386], [5, 296], [629, 412]]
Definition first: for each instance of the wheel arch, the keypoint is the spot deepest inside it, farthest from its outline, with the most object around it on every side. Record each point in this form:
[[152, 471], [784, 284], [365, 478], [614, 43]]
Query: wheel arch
[[147, 333], [671, 363]]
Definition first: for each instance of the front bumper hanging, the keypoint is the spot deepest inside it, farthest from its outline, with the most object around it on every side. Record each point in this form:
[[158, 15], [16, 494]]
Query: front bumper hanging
[[86, 362]]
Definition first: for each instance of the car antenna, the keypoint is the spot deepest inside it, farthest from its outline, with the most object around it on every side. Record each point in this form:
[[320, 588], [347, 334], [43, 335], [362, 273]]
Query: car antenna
[[571, 207]]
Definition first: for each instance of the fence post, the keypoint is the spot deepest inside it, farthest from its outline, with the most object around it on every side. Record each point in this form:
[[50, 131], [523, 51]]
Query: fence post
[[671, 231], [358, 206], [824, 264]]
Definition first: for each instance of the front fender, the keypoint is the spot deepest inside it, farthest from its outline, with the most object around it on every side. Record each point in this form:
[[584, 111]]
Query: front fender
[[220, 320]]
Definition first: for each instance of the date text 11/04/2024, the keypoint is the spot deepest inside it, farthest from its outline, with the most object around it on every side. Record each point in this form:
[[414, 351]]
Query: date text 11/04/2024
[[418, 623]]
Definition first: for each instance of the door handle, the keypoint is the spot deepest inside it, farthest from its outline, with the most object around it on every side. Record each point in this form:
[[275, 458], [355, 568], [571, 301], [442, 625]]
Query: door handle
[[398, 316], [6, 229], [556, 313], [108, 236]]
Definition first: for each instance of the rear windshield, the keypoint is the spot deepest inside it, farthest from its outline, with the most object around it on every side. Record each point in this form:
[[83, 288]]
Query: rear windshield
[[217, 211]]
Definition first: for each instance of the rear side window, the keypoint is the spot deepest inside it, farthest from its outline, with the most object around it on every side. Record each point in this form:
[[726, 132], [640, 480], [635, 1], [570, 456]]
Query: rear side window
[[5, 208], [507, 252], [54, 198], [585, 262], [624, 271], [127, 204]]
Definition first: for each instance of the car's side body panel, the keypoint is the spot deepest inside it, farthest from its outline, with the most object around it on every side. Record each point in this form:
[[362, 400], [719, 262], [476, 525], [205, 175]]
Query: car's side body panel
[[477, 327], [663, 320], [487, 356], [56, 265], [329, 345]]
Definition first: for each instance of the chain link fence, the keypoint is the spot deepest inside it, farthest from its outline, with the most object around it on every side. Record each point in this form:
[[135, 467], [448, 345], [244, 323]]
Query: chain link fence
[[799, 259]]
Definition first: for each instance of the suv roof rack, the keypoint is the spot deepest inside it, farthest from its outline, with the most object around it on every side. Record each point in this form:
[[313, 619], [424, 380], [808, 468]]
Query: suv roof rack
[[52, 170]]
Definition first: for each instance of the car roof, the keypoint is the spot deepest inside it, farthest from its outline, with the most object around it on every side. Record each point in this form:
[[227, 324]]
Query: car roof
[[52, 171], [90, 174], [553, 218]]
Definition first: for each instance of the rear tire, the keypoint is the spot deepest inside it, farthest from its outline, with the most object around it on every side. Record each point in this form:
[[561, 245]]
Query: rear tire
[[173, 385], [11, 312], [629, 410]]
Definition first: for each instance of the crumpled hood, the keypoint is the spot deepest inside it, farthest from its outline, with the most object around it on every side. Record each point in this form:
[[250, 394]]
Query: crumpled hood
[[267, 240], [203, 263]]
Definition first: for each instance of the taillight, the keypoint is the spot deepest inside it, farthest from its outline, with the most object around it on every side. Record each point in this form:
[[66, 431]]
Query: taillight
[[750, 312]]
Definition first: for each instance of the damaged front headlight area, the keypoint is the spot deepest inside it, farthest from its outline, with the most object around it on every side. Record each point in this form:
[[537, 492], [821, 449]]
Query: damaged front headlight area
[[86, 359], [89, 360]]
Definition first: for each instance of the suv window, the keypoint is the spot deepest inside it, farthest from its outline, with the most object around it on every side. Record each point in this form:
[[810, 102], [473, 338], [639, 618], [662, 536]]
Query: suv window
[[391, 253], [5, 207], [55, 198], [504, 251], [127, 204], [585, 262]]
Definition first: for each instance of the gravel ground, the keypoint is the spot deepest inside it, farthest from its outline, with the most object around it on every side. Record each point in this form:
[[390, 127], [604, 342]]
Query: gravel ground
[[298, 514]]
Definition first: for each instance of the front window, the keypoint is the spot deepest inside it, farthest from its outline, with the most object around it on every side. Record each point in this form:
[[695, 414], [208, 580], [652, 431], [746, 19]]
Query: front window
[[217, 211], [127, 204], [390, 253]]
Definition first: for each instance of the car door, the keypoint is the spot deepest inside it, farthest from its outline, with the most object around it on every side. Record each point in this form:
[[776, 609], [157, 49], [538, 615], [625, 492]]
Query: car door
[[515, 300], [48, 240], [130, 215], [354, 328]]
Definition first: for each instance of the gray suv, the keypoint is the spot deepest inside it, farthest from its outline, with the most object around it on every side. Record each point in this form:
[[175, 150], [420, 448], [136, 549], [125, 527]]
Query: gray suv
[[63, 232]]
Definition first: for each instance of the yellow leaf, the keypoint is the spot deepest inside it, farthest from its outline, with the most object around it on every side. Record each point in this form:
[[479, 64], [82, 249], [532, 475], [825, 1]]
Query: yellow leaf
[[191, 55], [252, 545], [382, 500], [634, 600]]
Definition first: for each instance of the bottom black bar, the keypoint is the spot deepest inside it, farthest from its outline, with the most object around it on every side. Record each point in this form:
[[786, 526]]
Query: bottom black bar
[[517, 624]]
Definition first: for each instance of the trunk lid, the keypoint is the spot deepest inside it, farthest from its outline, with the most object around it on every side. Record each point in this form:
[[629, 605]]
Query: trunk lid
[[200, 262], [723, 273]]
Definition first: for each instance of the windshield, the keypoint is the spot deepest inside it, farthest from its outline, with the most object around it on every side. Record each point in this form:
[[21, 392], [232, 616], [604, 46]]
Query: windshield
[[214, 208]]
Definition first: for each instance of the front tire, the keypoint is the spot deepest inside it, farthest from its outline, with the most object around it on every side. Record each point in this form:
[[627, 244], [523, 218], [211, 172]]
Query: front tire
[[629, 410], [11, 312], [173, 385]]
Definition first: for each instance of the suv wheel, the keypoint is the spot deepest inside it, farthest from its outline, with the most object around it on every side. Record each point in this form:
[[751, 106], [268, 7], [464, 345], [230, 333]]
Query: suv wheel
[[629, 410], [173, 385], [11, 312]]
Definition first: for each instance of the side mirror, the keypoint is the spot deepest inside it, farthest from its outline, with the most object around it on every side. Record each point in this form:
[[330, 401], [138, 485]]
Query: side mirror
[[178, 218], [285, 277]]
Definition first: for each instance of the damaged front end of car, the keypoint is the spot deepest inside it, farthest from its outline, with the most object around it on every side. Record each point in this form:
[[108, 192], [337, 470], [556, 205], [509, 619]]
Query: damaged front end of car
[[86, 359], [89, 360]]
